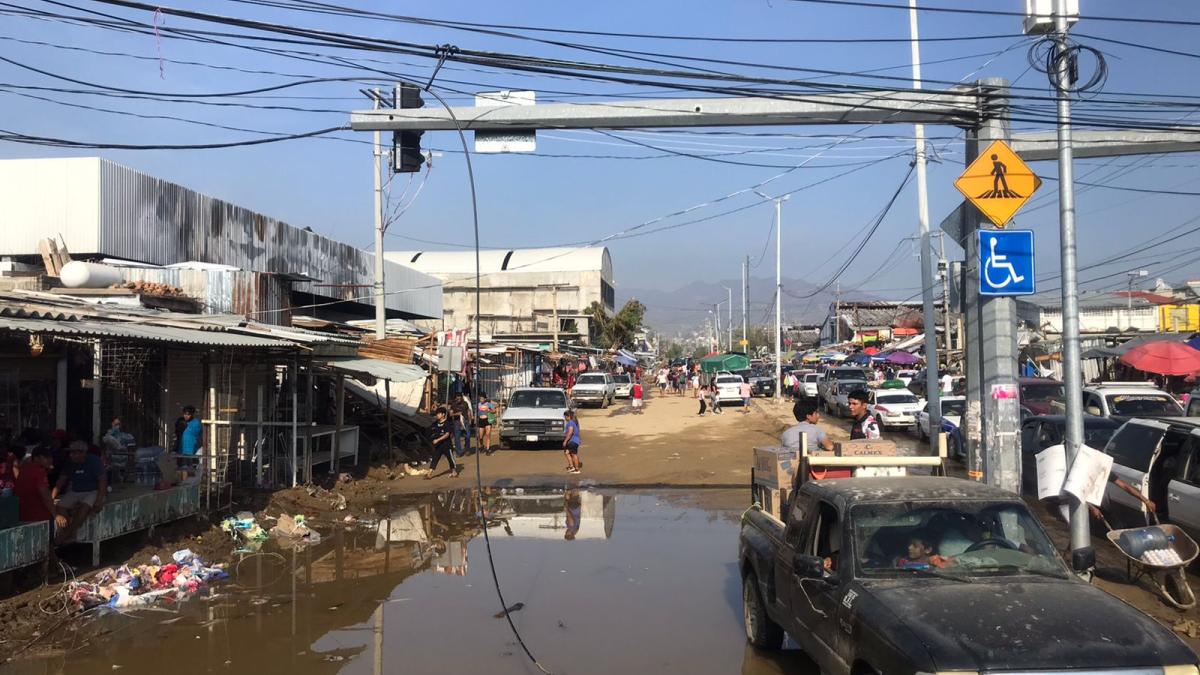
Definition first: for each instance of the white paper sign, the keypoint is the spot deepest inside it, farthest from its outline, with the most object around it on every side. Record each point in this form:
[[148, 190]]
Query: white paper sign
[[1051, 471], [1088, 475]]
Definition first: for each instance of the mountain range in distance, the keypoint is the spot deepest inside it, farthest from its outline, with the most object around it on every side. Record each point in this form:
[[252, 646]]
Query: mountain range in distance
[[687, 308]]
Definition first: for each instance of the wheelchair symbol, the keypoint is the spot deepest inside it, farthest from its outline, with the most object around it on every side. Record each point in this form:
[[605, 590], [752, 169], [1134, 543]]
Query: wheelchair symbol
[[998, 263]]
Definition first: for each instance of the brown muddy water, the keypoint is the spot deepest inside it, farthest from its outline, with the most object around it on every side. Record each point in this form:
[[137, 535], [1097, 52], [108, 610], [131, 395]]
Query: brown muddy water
[[609, 582]]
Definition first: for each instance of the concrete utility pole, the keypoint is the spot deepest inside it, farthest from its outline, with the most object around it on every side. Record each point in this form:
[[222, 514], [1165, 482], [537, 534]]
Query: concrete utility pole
[[993, 413], [554, 320], [944, 273], [380, 295], [745, 303], [779, 298], [729, 317], [1082, 556], [929, 321]]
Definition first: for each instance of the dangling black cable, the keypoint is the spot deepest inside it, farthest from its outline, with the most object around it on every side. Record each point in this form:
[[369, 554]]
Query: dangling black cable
[[448, 49]]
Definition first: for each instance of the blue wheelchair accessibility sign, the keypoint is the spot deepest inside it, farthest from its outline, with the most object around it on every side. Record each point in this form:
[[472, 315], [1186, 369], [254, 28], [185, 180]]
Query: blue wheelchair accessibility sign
[[1006, 262]]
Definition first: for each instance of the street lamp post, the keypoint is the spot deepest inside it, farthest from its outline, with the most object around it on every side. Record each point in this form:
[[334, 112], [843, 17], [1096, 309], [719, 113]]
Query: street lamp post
[[1133, 276], [778, 290]]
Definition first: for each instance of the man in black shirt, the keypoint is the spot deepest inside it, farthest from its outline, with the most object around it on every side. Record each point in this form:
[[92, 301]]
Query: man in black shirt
[[461, 416], [440, 435]]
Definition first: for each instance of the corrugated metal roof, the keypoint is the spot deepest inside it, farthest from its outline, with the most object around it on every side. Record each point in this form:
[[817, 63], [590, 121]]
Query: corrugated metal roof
[[138, 331], [379, 369]]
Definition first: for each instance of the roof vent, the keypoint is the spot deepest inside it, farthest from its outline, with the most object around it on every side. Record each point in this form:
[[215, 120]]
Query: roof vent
[[507, 257]]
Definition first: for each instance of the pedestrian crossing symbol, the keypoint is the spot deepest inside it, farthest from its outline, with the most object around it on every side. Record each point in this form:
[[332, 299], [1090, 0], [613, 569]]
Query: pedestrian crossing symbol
[[998, 183]]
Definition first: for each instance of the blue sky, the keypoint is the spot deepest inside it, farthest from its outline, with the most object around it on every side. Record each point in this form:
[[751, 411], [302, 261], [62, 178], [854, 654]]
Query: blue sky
[[539, 200]]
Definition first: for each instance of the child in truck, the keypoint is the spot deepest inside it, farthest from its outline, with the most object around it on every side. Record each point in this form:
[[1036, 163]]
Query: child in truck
[[920, 553]]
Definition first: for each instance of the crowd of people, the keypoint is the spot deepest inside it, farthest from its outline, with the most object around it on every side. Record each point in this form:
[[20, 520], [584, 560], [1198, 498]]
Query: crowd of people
[[64, 479]]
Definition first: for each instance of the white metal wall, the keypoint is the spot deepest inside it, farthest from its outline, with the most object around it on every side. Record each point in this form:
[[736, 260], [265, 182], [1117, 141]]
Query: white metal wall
[[42, 198]]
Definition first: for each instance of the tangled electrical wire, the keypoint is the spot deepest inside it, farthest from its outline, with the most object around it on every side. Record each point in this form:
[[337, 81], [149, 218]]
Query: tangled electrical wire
[[1050, 56]]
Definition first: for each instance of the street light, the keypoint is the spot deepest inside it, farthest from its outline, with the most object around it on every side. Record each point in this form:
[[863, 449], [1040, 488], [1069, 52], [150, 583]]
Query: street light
[[778, 289]]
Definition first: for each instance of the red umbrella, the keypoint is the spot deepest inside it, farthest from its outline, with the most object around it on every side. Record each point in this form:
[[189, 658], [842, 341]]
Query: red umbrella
[[871, 351], [1164, 358]]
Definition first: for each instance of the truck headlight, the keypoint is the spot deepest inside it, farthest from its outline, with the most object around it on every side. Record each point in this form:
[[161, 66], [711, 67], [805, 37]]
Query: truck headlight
[[1189, 669], [557, 424], [508, 424]]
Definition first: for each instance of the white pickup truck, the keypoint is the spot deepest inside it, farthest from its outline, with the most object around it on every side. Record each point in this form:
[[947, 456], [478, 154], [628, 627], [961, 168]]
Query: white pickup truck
[[533, 415], [597, 388]]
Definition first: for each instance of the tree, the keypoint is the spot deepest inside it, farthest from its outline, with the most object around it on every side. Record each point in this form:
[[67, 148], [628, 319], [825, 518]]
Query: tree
[[617, 330], [673, 351]]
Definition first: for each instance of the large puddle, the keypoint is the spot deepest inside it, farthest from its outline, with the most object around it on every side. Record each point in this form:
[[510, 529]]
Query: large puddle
[[609, 583]]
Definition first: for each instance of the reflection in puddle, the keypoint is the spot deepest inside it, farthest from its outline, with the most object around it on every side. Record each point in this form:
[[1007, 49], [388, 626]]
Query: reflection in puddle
[[659, 594]]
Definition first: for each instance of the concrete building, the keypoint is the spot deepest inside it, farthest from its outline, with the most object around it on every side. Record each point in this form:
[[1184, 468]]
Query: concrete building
[[1098, 313], [522, 289], [247, 262]]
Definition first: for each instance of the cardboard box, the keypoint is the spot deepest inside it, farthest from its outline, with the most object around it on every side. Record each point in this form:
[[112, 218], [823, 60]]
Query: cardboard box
[[773, 500], [861, 448], [775, 467]]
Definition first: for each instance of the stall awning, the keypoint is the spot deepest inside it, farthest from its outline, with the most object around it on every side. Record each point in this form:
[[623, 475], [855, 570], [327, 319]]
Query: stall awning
[[376, 368], [126, 330], [625, 358]]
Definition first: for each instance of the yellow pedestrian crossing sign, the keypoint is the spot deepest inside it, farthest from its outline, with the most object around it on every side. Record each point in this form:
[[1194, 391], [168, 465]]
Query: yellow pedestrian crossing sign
[[743, 342], [998, 183]]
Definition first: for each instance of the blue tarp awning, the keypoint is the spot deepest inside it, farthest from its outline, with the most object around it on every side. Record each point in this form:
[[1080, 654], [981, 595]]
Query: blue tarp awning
[[625, 358]]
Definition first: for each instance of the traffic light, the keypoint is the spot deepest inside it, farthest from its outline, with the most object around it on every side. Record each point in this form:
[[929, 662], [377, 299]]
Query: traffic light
[[406, 145]]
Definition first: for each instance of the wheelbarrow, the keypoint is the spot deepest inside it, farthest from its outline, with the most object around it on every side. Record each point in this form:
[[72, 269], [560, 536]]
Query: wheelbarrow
[[1170, 579]]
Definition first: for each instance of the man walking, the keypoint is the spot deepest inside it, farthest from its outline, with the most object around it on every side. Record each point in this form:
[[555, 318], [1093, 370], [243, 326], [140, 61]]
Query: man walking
[[460, 419], [864, 426], [440, 435]]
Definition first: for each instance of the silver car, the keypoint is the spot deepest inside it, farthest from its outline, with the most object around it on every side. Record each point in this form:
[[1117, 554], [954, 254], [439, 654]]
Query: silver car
[[1161, 458]]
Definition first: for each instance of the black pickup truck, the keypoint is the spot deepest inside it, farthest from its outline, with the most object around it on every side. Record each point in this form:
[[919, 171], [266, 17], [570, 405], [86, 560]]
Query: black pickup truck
[[931, 575]]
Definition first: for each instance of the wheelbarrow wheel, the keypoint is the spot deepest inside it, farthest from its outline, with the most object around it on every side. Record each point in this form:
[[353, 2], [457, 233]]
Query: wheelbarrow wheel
[[1176, 590]]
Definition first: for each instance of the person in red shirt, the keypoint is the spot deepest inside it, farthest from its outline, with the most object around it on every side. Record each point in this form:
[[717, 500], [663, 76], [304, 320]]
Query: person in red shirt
[[33, 488], [636, 394]]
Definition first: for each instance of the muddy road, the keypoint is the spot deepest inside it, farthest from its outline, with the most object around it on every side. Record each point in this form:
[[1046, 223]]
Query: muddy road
[[608, 582]]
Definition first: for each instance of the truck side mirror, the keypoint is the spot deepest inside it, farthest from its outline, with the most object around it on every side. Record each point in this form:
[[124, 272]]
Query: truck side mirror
[[808, 566]]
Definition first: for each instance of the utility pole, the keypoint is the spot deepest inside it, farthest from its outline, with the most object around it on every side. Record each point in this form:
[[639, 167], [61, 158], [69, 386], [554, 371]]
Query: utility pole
[[929, 320], [554, 320], [779, 298], [380, 296], [745, 293], [837, 313], [729, 317], [944, 272], [1082, 555]]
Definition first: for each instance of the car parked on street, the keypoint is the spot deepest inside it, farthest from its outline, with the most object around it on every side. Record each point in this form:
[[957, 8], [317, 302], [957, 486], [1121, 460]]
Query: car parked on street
[[595, 388], [895, 407], [1043, 431], [1042, 395], [1124, 400], [841, 374], [729, 388], [623, 386], [533, 415], [1160, 457], [984, 592], [808, 386], [836, 401], [906, 376], [953, 409]]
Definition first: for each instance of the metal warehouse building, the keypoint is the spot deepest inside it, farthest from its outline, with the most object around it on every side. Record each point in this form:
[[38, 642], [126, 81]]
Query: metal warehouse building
[[523, 289], [105, 210]]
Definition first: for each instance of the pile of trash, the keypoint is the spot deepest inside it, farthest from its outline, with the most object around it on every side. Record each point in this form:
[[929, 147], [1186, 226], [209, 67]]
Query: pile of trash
[[243, 528], [294, 531], [141, 586], [291, 531]]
